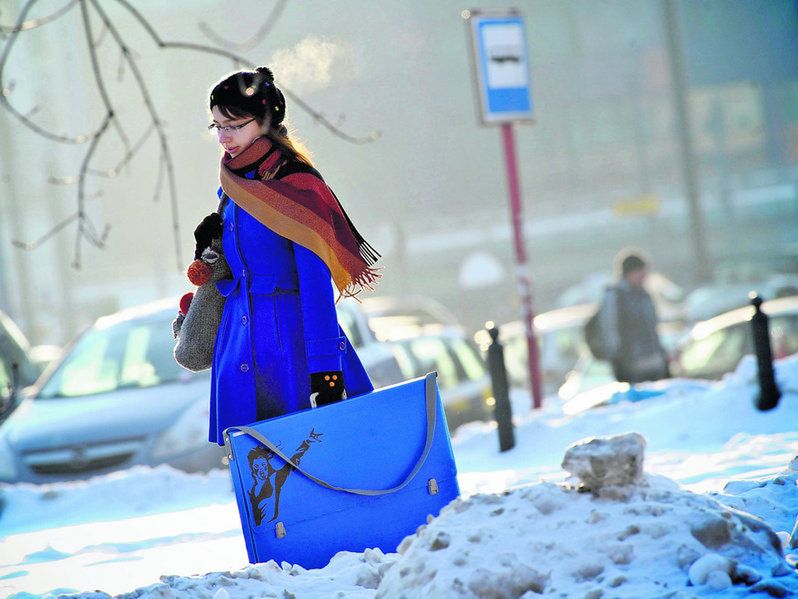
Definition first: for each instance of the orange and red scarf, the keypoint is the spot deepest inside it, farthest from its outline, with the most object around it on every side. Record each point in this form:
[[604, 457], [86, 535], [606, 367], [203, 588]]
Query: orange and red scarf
[[300, 207]]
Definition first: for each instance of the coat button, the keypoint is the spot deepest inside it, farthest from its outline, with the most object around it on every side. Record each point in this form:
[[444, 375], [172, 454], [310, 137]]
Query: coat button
[[232, 226], [342, 345], [244, 367], [243, 272], [244, 319]]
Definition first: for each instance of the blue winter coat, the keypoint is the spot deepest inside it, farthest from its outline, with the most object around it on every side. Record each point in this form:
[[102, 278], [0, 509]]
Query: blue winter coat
[[279, 324]]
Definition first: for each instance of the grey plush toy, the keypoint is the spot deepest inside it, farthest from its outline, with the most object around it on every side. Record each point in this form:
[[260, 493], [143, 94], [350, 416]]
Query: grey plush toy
[[201, 312]]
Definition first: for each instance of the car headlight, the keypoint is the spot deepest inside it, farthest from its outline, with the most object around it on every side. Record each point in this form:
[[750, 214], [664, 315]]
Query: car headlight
[[190, 431], [8, 465]]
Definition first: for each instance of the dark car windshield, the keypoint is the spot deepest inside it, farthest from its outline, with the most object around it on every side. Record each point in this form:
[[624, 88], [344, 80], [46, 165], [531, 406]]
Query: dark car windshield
[[127, 354], [13, 350]]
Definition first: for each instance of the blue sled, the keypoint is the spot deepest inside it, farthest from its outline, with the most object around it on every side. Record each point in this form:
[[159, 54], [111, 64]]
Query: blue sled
[[361, 473]]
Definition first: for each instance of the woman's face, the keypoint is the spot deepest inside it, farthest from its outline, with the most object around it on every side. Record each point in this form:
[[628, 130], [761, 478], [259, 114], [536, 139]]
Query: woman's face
[[236, 141], [260, 468]]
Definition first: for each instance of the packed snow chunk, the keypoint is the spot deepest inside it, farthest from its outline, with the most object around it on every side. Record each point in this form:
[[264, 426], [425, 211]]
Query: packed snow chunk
[[774, 499], [606, 462], [653, 540], [708, 564]]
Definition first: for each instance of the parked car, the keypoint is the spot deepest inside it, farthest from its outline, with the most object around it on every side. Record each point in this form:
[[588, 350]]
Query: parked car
[[377, 357], [462, 377], [117, 398], [716, 346], [712, 300], [397, 317], [560, 344]]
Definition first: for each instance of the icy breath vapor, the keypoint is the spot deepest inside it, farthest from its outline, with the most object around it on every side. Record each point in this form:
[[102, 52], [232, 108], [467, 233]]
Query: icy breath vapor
[[311, 64]]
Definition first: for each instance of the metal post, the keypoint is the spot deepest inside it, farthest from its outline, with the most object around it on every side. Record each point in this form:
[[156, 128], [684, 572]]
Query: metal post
[[503, 411], [522, 273], [769, 393]]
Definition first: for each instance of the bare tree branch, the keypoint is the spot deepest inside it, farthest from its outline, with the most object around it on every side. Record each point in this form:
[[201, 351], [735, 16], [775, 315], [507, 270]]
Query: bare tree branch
[[86, 229], [166, 155], [241, 62], [34, 244], [5, 92], [95, 64], [36, 23], [131, 152], [253, 41]]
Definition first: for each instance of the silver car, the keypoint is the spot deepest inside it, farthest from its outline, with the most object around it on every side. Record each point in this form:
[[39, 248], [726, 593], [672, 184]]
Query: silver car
[[463, 380], [117, 399], [716, 346]]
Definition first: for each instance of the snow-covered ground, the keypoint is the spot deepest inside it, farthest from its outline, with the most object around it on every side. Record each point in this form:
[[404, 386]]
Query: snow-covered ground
[[521, 527]]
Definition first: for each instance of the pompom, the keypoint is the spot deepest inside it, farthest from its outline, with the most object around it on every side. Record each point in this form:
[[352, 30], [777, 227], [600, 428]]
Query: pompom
[[185, 302], [266, 72], [199, 273]]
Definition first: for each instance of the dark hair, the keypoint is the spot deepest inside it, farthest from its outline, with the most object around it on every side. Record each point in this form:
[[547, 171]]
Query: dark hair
[[630, 260], [256, 453], [245, 94]]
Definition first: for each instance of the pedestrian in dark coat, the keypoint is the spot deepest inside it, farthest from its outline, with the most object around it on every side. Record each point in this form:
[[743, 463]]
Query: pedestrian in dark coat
[[286, 238], [629, 324]]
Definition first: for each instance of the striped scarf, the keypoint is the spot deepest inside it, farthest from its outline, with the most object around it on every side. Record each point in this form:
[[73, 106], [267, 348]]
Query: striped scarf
[[292, 200]]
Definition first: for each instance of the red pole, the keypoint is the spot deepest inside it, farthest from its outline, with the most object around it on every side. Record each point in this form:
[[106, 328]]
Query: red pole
[[524, 285]]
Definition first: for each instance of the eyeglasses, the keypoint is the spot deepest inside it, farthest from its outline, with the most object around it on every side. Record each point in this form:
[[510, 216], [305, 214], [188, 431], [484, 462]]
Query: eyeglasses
[[213, 128]]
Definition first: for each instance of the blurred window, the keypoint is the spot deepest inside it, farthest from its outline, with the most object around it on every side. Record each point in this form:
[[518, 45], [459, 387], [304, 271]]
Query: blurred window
[[734, 346], [515, 359], [717, 353], [348, 322], [784, 335], [570, 342], [405, 360], [472, 366], [12, 350], [127, 355], [5, 385], [432, 355]]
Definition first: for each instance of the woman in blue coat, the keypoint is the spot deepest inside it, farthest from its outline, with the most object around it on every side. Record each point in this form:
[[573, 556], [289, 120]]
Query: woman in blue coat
[[279, 347]]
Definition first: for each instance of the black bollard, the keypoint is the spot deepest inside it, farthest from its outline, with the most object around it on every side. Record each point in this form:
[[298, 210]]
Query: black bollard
[[769, 393], [503, 411]]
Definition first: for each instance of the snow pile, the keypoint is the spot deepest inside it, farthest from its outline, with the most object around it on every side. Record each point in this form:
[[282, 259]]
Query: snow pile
[[774, 500], [620, 534], [650, 540], [349, 575]]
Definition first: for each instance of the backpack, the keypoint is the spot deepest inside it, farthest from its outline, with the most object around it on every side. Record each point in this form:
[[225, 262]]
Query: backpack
[[594, 336]]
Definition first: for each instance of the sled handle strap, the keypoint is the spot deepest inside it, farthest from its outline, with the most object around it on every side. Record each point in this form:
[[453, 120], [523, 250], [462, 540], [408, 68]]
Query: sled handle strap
[[431, 408]]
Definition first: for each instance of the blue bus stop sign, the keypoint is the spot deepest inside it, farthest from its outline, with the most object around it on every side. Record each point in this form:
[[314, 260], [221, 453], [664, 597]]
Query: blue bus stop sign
[[502, 66]]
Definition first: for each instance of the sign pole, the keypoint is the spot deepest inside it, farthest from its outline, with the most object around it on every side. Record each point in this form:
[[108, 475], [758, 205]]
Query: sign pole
[[501, 66], [522, 276]]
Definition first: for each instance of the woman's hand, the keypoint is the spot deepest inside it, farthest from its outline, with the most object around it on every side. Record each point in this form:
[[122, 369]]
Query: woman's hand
[[209, 229], [326, 387]]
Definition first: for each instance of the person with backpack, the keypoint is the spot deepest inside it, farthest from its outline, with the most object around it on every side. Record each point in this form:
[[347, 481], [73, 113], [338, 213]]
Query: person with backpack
[[624, 329]]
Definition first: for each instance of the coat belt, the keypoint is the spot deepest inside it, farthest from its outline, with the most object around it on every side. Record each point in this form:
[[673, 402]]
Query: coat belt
[[257, 283]]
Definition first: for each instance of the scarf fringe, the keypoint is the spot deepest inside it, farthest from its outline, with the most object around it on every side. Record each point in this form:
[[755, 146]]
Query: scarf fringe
[[366, 279], [367, 251]]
